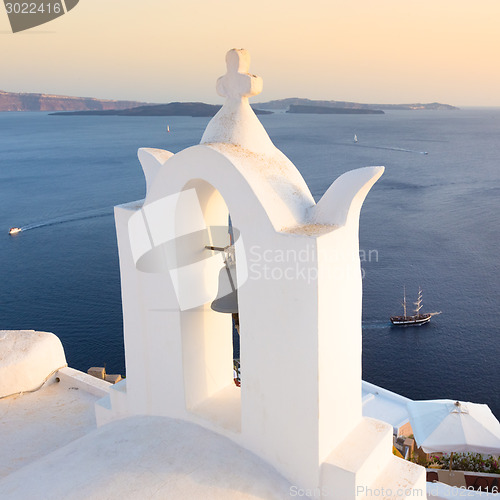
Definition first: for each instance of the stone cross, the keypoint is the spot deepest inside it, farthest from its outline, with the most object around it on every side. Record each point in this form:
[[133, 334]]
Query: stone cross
[[237, 84]]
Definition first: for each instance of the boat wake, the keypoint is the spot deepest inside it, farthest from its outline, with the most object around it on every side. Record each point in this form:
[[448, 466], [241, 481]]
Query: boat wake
[[391, 148], [90, 214], [375, 325]]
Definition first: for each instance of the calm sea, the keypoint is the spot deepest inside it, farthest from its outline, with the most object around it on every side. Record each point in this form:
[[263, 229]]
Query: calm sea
[[431, 221]]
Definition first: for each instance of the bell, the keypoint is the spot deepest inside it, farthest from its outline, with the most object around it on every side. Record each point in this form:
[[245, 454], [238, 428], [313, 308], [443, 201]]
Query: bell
[[227, 294]]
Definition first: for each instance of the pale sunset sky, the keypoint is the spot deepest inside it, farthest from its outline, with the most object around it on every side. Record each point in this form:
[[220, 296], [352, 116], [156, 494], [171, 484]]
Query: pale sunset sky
[[372, 51]]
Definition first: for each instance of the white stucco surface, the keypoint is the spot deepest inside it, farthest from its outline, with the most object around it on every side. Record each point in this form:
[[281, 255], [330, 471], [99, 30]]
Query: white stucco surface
[[147, 458], [384, 405], [27, 358], [37, 423]]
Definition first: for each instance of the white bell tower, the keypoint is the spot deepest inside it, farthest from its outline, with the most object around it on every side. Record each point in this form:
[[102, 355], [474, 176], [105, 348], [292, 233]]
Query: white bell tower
[[299, 304]]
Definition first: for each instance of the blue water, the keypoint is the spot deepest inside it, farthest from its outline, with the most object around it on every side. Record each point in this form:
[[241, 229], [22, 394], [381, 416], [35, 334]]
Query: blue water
[[432, 220]]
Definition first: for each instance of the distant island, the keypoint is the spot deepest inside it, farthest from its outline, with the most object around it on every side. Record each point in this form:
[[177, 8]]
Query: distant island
[[195, 109], [331, 110], [12, 101], [285, 104]]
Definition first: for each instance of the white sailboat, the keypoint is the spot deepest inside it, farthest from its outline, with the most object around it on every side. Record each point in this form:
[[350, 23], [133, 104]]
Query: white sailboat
[[355, 138], [168, 128]]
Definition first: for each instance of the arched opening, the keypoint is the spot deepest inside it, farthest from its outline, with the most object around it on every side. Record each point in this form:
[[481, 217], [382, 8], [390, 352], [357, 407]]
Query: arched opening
[[207, 335]]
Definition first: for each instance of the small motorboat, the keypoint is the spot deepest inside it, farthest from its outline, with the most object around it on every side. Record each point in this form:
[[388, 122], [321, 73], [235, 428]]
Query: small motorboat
[[15, 230]]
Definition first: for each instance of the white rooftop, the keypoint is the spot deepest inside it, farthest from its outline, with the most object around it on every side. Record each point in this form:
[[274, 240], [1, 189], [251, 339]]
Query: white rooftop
[[52, 449], [385, 405], [147, 458], [37, 423]]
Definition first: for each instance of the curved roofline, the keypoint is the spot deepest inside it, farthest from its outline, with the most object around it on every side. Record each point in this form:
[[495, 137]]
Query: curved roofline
[[272, 183]]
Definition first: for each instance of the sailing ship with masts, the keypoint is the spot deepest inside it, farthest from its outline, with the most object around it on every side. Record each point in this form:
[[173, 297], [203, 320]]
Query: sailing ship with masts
[[417, 318]]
